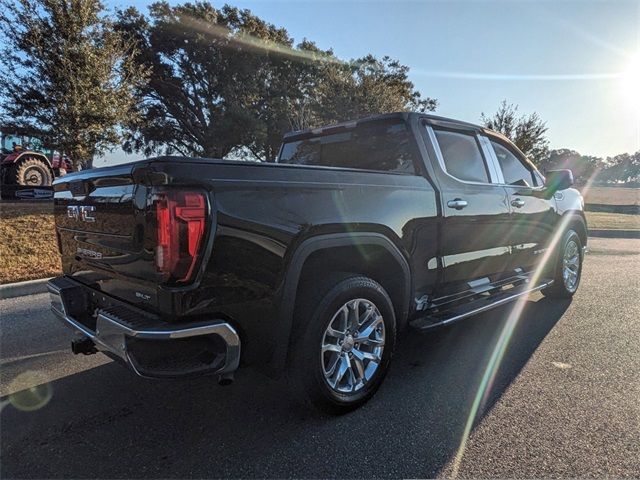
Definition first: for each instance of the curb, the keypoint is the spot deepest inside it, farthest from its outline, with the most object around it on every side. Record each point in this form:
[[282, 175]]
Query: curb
[[20, 289], [615, 233]]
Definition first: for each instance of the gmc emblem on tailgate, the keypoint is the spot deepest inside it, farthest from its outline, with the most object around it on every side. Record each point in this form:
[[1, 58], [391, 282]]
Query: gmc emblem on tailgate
[[81, 212]]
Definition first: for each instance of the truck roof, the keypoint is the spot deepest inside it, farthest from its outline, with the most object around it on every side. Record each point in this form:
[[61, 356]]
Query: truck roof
[[325, 130]]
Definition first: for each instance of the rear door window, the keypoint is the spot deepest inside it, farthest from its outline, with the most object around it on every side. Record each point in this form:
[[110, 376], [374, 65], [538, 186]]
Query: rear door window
[[514, 170], [381, 146], [302, 152], [462, 156]]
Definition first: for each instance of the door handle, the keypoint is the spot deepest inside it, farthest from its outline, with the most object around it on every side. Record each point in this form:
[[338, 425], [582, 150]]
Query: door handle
[[457, 203], [517, 202]]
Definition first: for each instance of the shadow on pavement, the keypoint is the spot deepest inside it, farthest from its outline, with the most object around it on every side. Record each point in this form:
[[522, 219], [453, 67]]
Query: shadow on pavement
[[107, 423]]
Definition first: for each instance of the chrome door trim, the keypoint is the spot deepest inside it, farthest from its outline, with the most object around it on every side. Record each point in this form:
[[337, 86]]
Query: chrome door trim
[[495, 170], [490, 153]]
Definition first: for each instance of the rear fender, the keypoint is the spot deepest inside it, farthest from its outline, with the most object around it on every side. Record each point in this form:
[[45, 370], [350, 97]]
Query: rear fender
[[10, 158], [14, 158], [576, 220], [294, 270]]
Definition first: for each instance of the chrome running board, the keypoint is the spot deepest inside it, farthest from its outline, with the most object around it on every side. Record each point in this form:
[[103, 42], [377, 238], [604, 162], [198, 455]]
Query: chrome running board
[[438, 319]]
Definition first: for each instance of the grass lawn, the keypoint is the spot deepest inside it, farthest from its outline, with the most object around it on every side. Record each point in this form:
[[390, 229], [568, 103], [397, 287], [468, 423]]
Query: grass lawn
[[28, 249], [612, 221], [612, 195]]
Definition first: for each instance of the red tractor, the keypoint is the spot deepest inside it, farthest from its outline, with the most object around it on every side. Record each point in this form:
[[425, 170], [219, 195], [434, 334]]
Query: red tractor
[[24, 161]]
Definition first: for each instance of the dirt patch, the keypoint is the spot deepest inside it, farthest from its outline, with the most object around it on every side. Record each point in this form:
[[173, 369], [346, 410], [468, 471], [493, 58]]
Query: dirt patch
[[29, 248]]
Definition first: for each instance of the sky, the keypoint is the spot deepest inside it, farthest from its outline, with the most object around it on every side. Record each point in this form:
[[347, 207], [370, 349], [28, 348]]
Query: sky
[[576, 63]]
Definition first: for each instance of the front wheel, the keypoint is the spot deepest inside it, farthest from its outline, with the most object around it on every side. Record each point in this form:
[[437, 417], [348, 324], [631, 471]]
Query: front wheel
[[343, 346], [568, 268]]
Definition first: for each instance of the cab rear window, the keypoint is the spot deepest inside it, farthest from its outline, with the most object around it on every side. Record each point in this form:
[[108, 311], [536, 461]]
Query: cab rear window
[[385, 147]]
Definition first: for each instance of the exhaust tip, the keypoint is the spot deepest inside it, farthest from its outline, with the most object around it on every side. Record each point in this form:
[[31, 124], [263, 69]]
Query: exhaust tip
[[225, 379]]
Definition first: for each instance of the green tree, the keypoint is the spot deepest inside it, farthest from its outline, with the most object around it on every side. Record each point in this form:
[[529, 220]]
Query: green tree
[[528, 132], [317, 89], [214, 81], [584, 167], [226, 82], [67, 76], [623, 168], [367, 86], [286, 87]]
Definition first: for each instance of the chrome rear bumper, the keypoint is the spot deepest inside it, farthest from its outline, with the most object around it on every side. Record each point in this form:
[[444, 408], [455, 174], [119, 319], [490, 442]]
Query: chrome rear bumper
[[121, 333]]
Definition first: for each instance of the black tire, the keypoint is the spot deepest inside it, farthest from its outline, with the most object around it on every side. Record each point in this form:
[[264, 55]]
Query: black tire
[[4, 194], [314, 313], [32, 172], [561, 288]]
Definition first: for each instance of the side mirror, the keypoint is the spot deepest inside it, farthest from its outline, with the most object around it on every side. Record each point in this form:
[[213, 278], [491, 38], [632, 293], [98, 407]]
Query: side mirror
[[558, 180]]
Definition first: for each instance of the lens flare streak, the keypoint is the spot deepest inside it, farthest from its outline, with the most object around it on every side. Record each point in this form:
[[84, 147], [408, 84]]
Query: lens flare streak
[[495, 360]]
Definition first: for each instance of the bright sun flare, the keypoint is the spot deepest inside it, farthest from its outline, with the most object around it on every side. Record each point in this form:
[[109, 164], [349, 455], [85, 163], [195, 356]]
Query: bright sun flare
[[630, 83]]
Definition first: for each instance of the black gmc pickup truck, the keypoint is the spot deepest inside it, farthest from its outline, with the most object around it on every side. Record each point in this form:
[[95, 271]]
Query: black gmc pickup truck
[[313, 265]]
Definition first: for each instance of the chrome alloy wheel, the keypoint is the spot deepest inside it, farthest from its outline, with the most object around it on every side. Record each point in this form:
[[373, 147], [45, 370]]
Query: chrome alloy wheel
[[571, 266], [352, 346]]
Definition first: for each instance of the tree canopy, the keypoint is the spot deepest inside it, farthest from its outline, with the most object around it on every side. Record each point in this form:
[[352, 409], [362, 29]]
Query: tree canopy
[[624, 168], [67, 76], [224, 81], [584, 167], [528, 132]]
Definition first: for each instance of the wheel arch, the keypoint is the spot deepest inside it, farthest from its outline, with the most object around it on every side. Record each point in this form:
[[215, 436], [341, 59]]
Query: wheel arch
[[577, 220], [321, 247], [28, 154]]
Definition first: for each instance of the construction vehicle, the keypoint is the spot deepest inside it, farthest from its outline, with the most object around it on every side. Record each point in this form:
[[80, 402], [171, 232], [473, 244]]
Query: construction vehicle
[[26, 161]]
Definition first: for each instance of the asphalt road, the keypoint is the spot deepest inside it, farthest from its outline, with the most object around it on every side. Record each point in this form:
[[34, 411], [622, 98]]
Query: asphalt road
[[564, 401]]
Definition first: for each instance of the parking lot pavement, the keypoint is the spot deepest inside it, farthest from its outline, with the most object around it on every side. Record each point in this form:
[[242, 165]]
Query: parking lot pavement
[[562, 402]]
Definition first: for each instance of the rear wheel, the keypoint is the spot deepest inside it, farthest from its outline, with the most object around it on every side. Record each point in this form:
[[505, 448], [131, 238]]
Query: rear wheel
[[568, 268], [343, 345], [32, 172]]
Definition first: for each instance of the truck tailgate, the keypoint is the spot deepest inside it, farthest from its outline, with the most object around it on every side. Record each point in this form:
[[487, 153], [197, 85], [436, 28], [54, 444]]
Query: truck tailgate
[[102, 225]]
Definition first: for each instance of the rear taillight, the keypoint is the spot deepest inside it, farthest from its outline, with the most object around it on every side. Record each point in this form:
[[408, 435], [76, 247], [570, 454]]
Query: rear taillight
[[181, 226]]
